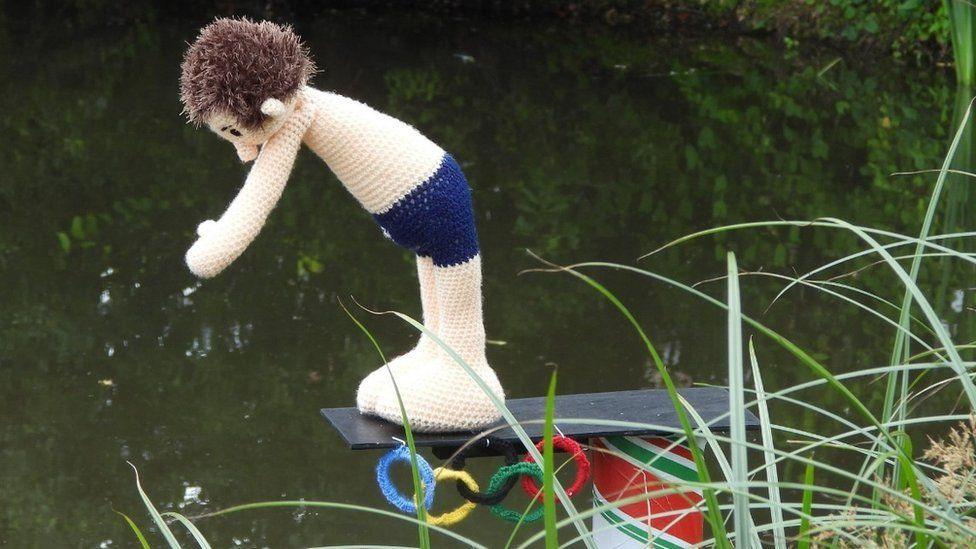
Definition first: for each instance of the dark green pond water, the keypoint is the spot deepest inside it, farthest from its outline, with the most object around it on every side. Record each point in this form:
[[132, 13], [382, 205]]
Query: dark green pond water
[[581, 144]]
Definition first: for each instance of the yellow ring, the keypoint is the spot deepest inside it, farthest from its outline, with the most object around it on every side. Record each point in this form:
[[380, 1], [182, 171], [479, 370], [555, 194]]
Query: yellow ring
[[459, 514]]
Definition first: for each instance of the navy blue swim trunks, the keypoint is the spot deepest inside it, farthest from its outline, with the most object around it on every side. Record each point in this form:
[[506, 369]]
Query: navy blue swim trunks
[[436, 219]]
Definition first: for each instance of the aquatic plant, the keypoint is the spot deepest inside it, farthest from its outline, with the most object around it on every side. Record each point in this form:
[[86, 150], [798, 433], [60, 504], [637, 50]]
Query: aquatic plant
[[955, 457], [963, 41]]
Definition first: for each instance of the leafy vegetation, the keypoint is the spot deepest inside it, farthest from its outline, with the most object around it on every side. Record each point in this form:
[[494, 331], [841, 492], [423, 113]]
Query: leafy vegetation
[[916, 30], [913, 30]]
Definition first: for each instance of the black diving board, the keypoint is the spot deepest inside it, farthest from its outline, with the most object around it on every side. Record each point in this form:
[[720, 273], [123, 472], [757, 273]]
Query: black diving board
[[640, 406]]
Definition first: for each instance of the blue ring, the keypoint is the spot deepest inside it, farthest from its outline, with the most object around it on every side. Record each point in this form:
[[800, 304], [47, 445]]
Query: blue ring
[[390, 492]]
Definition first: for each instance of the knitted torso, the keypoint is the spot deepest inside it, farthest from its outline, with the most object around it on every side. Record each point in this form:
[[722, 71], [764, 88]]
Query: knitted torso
[[377, 157], [414, 190]]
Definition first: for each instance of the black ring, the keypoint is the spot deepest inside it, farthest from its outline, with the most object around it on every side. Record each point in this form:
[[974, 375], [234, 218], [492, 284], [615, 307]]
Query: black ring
[[511, 458]]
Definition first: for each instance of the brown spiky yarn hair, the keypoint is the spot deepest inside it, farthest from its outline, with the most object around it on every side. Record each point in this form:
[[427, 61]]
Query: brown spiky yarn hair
[[236, 64]]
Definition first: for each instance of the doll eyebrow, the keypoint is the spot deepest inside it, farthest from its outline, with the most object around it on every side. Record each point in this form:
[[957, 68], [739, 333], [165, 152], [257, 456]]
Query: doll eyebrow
[[224, 128]]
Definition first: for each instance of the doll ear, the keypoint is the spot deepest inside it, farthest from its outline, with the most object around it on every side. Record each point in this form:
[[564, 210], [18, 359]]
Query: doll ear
[[273, 107]]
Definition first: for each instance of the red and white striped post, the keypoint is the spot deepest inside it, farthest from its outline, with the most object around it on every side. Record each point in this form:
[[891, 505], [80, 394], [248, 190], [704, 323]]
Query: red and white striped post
[[624, 467]]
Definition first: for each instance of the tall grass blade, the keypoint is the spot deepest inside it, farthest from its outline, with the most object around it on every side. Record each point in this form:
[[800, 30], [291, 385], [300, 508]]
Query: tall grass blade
[[734, 487], [157, 518], [908, 480], [914, 293], [803, 538], [772, 476], [135, 529], [194, 531], [825, 286], [423, 534], [713, 515], [929, 242], [901, 349], [902, 239], [339, 506], [961, 32], [548, 495], [740, 465]]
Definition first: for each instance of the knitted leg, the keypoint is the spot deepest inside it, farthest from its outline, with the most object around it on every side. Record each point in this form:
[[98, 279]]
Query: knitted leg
[[428, 301], [371, 385], [439, 395]]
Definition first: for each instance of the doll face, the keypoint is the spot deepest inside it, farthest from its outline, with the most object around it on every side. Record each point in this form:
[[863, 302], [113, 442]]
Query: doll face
[[228, 127]]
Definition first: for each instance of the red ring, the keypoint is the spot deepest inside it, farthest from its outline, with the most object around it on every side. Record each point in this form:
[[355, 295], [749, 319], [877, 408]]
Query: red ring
[[567, 445]]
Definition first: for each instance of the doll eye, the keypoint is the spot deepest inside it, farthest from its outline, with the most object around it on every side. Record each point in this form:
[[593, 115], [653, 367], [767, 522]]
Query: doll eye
[[233, 131]]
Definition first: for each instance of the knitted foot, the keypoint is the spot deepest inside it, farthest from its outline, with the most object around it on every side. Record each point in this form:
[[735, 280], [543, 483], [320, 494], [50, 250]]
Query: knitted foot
[[440, 397], [369, 388]]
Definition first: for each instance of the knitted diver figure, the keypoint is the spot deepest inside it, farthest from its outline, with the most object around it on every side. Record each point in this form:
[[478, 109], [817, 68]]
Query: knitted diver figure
[[247, 82]]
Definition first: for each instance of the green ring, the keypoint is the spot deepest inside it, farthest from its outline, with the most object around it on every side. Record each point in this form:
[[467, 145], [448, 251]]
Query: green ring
[[499, 478]]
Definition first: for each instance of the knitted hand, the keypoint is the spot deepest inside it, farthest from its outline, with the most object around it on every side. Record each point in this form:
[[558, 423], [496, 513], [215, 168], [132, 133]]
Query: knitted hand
[[224, 240], [206, 227]]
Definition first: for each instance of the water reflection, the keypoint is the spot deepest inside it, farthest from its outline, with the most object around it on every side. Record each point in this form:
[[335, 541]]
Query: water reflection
[[580, 144]]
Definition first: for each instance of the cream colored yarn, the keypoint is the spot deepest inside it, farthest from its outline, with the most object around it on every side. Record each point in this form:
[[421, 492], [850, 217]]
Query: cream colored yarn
[[379, 160]]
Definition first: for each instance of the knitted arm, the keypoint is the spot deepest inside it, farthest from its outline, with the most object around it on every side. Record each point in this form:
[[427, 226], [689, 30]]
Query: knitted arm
[[223, 241]]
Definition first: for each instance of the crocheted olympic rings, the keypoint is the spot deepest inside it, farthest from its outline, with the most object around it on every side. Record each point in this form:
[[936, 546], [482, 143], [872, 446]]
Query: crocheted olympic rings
[[567, 445], [513, 471], [459, 514], [491, 497], [498, 488], [402, 453]]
